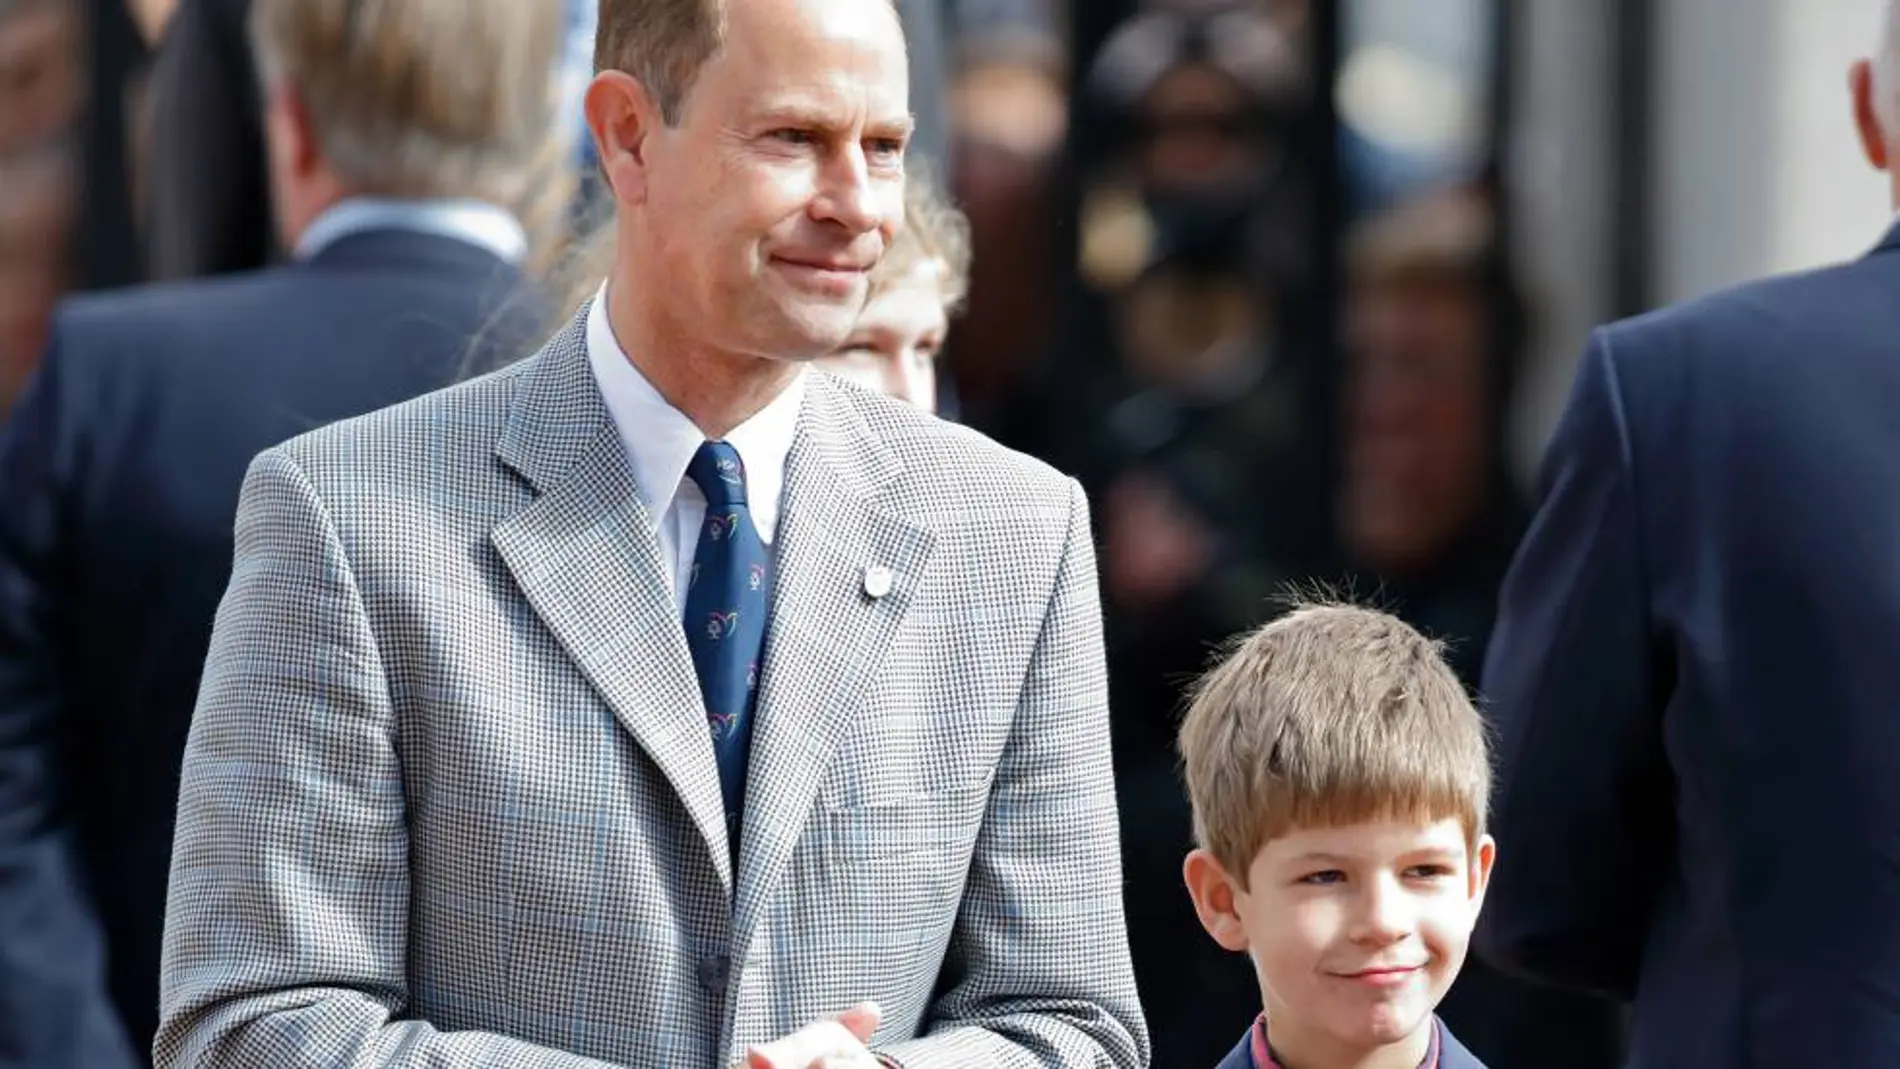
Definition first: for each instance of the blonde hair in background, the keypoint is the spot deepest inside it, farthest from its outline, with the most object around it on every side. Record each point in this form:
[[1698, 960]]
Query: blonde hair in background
[[1330, 715], [934, 231], [423, 98]]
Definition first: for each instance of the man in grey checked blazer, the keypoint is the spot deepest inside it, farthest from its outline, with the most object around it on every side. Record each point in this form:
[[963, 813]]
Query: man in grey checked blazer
[[450, 798]]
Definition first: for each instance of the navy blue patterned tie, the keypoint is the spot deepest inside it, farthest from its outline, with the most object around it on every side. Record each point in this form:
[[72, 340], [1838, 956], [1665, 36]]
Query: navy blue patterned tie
[[725, 616]]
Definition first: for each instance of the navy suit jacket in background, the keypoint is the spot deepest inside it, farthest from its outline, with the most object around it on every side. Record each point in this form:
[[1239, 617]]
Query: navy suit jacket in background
[[1696, 681], [119, 476]]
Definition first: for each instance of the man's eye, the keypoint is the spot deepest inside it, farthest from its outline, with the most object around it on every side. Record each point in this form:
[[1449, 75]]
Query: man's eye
[[794, 137], [887, 146]]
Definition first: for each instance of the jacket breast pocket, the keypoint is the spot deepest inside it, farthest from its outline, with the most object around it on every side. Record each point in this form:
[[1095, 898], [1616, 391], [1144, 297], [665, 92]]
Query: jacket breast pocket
[[943, 822], [899, 866]]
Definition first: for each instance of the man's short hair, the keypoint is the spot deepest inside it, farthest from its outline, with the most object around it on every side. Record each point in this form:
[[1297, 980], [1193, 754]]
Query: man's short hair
[[935, 231], [420, 97], [1330, 715], [662, 43]]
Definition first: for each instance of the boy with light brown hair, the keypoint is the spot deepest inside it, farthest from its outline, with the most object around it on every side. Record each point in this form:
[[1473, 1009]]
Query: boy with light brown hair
[[1339, 777], [915, 289]]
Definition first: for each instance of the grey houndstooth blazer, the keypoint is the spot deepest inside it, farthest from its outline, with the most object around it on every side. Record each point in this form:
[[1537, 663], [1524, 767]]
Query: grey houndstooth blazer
[[450, 800]]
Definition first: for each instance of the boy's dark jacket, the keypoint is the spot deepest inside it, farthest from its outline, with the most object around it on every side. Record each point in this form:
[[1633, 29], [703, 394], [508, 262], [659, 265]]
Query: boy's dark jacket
[[1451, 1054]]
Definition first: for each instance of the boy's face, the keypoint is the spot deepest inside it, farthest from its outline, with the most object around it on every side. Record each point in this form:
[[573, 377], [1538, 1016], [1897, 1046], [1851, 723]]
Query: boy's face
[[1355, 932], [894, 346]]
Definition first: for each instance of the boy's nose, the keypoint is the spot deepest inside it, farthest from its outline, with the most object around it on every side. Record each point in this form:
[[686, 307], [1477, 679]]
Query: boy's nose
[[1385, 914]]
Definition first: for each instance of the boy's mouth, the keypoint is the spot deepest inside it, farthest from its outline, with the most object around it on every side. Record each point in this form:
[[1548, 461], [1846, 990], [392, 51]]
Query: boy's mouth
[[1383, 975]]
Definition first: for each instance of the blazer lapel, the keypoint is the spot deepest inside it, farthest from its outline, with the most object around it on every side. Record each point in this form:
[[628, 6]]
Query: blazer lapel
[[829, 632], [585, 555]]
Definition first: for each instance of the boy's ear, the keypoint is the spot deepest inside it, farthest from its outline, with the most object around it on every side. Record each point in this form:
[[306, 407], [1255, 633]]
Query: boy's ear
[[1482, 859], [1213, 892]]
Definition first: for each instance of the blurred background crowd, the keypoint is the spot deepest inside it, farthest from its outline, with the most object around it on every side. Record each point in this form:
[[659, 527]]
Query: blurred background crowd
[[1293, 287]]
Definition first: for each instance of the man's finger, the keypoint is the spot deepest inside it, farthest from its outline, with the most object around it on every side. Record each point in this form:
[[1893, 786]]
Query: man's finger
[[805, 1046], [862, 1020]]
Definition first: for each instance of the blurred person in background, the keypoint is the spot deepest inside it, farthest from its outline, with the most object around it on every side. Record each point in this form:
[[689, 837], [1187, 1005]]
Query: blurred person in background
[[1187, 374], [119, 473], [1427, 509], [1189, 119], [918, 285], [207, 209], [1428, 515]]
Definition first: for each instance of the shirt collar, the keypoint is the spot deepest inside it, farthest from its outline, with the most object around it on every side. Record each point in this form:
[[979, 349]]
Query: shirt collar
[[660, 440], [1263, 1054], [476, 222]]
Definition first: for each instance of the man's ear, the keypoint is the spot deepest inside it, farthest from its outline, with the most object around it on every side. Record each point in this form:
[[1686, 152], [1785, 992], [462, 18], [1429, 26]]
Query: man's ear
[[622, 116], [1214, 893], [1862, 89], [292, 139]]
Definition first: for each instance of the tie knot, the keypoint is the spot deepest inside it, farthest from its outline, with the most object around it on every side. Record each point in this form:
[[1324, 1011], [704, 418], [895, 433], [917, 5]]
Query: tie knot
[[719, 473]]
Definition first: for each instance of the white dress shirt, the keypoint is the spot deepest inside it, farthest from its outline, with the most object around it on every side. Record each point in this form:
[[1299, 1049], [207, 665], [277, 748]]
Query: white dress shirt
[[660, 442], [476, 222]]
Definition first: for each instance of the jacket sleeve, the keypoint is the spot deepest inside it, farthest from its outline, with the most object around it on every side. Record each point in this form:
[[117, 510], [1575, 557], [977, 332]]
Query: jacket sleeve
[[1583, 809], [286, 924]]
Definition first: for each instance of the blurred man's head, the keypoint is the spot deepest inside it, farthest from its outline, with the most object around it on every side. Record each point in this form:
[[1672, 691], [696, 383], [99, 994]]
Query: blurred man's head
[[921, 281], [41, 70], [403, 98], [1203, 98], [1874, 88], [755, 149], [1421, 373]]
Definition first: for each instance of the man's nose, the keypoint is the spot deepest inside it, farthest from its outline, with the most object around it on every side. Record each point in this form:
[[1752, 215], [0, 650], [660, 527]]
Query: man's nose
[[848, 194]]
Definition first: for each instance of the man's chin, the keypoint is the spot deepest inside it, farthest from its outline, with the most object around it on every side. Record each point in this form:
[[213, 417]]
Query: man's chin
[[813, 333]]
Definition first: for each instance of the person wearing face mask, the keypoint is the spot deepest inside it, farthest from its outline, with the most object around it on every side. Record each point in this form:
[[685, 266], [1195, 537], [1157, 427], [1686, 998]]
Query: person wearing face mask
[[917, 287]]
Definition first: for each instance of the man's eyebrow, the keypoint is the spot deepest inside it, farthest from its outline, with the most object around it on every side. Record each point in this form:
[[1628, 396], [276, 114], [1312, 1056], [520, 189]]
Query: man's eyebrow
[[803, 115]]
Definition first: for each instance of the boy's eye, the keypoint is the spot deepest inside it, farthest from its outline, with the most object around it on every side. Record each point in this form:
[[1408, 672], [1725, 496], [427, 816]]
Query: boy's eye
[[1329, 876], [1428, 872]]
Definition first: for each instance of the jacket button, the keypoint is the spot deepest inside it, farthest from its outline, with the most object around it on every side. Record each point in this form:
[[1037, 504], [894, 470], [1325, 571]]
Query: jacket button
[[714, 971]]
